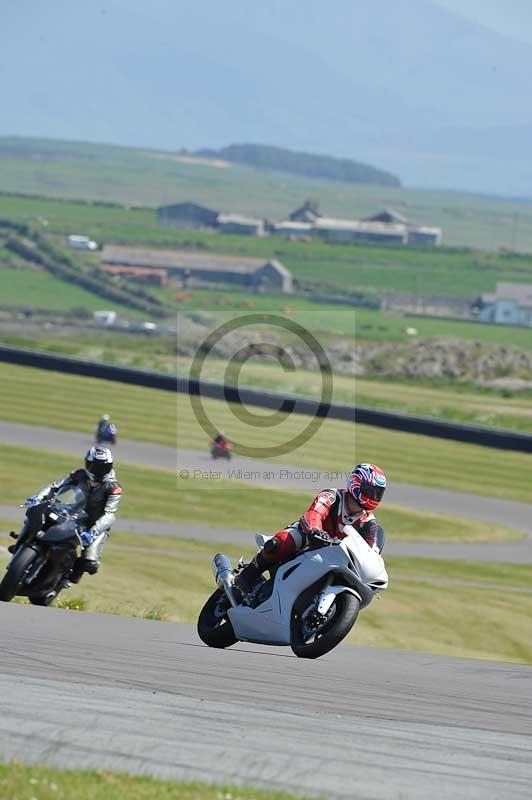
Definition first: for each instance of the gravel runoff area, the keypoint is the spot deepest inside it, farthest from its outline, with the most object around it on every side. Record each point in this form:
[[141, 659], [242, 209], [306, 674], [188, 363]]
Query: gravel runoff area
[[360, 722]]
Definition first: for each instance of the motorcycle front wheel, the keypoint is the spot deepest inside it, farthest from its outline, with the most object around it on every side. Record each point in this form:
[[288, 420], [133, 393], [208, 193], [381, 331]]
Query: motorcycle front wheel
[[214, 627], [16, 572], [43, 599], [313, 636]]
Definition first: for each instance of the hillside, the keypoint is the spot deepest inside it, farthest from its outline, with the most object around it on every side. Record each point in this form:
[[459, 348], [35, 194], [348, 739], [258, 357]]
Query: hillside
[[133, 177], [309, 165]]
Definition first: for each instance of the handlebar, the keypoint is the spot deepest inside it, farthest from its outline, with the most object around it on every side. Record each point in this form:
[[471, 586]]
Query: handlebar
[[319, 539]]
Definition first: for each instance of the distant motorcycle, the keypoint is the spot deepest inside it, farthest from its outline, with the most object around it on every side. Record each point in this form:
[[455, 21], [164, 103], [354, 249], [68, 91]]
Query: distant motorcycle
[[47, 548], [309, 603], [107, 435], [221, 450]]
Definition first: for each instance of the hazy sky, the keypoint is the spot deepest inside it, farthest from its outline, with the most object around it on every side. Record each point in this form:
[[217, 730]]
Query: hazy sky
[[510, 17]]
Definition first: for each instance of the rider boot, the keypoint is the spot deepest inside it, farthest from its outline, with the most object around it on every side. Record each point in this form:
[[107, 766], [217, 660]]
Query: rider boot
[[246, 580], [268, 557], [89, 561], [12, 547], [82, 565]]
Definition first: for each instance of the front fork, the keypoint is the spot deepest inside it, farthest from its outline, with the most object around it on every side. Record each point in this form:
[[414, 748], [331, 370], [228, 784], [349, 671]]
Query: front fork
[[36, 567]]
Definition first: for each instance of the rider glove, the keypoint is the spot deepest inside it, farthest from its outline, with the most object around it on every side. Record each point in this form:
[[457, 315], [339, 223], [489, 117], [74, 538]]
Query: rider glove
[[87, 537]]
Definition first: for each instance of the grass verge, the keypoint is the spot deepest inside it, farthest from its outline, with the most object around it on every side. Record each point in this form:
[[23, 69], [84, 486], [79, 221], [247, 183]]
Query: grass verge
[[69, 402], [151, 494], [20, 782]]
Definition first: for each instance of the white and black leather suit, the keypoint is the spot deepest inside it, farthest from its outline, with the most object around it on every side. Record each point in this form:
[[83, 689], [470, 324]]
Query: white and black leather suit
[[103, 500]]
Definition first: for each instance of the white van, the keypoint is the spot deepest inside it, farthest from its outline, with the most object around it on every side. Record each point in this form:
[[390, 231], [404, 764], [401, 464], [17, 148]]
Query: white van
[[81, 242]]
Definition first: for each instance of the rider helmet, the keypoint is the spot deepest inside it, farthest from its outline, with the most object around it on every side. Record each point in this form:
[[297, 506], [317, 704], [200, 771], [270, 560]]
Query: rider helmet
[[366, 484], [106, 417], [98, 462]]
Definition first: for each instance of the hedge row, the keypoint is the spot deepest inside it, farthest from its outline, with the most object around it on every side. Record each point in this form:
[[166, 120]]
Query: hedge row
[[57, 263]]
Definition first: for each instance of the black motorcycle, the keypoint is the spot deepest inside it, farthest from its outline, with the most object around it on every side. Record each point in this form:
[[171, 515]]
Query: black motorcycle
[[47, 548]]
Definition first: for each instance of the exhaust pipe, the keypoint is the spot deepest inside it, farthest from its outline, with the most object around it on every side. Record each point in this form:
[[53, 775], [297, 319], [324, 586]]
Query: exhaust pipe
[[224, 576]]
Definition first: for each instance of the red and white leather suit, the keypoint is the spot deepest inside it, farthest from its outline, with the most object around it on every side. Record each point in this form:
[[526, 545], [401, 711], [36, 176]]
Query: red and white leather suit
[[327, 512]]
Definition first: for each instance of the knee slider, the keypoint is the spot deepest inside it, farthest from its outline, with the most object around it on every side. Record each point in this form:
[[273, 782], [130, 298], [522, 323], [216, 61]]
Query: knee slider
[[91, 567]]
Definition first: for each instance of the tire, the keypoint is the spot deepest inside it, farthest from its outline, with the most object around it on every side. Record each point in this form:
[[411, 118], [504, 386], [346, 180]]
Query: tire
[[214, 627], [345, 612], [15, 573], [45, 599]]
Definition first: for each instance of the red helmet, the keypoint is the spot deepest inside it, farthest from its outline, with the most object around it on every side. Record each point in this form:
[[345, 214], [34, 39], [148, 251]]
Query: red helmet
[[367, 483]]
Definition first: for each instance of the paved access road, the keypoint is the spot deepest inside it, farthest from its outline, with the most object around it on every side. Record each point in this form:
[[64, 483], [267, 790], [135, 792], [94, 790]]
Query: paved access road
[[96, 691], [510, 552], [197, 464]]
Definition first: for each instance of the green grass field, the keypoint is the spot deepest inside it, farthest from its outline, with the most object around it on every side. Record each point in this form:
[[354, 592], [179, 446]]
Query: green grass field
[[447, 271], [39, 289], [444, 398], [451, 401], [135, 177], [33, 396], [20, 782], [152, 494], [363, 324]]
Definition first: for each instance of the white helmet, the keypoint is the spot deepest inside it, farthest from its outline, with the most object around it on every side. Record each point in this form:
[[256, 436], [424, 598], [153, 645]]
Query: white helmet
[[98, 462]]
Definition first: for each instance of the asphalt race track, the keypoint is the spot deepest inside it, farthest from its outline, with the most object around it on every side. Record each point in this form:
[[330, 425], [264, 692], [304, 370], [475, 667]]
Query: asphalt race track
[[98, 691], [83, 690]]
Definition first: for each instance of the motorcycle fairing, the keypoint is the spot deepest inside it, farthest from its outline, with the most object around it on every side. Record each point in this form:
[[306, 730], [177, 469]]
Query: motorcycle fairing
[[353, 563], [270, 622]]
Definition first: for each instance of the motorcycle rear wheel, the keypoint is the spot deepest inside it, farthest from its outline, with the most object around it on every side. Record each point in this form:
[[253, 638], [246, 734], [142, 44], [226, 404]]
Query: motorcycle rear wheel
[[16, 572], [214, 627], [345, 612]]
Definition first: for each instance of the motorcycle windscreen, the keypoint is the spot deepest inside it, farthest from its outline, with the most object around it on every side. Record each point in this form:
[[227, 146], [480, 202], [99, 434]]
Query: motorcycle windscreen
[[70, 499]]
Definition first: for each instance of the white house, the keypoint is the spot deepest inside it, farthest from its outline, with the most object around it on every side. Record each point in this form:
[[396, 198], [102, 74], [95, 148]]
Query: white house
[[510, 304]]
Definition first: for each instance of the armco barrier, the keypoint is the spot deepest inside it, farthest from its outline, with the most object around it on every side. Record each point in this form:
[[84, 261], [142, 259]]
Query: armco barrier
[[473, 434]]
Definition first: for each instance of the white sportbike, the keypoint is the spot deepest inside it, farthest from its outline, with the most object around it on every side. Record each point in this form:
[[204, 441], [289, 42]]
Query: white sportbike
[[309, 603]]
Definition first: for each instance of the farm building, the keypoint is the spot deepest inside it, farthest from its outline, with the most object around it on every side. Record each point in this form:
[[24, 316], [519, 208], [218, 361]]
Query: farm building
[[510, 304], [273, 275], [424, 235], [236, 223], [186, 215], [308, 212], [153, 277], [197, 267], [388, 216], [290, 228], [344, 230], [416, 234]]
